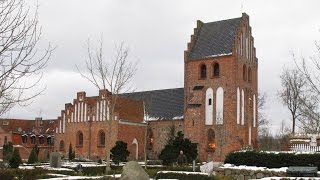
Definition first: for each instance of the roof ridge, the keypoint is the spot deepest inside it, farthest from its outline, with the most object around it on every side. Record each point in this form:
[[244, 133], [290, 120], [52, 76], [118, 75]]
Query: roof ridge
[[154, 90]]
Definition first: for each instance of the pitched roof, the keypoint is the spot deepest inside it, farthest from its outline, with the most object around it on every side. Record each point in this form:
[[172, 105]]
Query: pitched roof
[[215, 39], [161, 104], [27, 126]]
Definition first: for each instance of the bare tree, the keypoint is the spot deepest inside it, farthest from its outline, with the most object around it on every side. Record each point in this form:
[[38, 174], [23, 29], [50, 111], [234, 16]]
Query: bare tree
[[262, 119], [293, 89], [112, 74], [19, 57]]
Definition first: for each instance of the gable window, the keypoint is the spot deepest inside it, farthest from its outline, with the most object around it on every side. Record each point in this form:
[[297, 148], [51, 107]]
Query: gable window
[[203, 71], [33, 139], [211, 145], [244, 72], [102, 138], [216, 70], [41, 139], [49, 140], [79, 138], [24, 138]]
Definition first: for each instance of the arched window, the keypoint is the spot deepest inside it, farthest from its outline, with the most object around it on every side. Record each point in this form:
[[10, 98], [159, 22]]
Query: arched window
[[219, 105], [33, 139], [24, 138], [61, 145], [249, 74], [203, 71], [238, 105], [150, 139], [216, 70], [49, 140], [41, 139], [211, 145], [79, 138], [254, 111], [209, 106], [244, 73], [242, 107], [102, 138]]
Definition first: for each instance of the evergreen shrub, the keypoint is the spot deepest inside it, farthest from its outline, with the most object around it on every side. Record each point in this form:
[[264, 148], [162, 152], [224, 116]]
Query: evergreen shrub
[[272, 160]]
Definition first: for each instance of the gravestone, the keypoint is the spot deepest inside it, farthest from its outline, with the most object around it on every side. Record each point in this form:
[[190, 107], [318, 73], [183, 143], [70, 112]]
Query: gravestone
[[133, 171], [313, 141], [55, 160], [45, 155], [207, 168]]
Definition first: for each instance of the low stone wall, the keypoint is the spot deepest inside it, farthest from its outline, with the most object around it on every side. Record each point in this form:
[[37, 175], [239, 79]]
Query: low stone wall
[[244, 174]]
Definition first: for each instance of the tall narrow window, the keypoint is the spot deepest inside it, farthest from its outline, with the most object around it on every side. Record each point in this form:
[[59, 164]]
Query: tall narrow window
[[40, 139], [150, 139], [244, 73], [216, 70], [242, 107], [254, 111], [24, 138], [49, 141], [79, 138], [102, 138], [211, 145], [249, 75], [203, 71], [219, 105], [33, 139], [209, 107], [238, 105], [61, 145]]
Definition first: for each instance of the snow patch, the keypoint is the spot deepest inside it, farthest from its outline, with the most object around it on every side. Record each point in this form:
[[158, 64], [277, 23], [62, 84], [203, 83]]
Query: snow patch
[[254, 168], [218, 55]]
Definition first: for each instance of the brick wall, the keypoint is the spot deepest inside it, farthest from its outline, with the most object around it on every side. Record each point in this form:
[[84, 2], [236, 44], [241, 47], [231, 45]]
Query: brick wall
[[159, 131], [229, 136]]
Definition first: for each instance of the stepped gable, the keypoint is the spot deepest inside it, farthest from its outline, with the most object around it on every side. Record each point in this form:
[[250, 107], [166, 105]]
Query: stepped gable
[[163, 104], [213, 39]]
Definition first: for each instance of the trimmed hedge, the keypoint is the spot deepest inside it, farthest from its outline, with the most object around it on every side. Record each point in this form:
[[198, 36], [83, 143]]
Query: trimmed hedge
[[272, 160], [22, 174], [175, 175]]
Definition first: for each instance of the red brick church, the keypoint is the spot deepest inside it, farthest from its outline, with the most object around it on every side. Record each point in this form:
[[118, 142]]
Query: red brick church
[[217, 108]]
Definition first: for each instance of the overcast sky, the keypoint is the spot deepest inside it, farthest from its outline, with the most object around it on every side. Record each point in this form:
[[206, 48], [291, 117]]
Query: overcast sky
[[157, 33]]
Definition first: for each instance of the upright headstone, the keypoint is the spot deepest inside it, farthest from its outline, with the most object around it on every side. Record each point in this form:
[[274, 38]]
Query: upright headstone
[[45, 155], [207, 168], [313, 141], [133, 171], [55, 160]]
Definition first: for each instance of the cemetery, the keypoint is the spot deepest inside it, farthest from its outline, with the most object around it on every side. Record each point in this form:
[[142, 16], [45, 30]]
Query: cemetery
[[198, 110]]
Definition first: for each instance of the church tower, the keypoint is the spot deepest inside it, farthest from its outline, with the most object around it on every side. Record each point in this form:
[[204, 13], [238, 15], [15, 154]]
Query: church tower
[[221, 88]]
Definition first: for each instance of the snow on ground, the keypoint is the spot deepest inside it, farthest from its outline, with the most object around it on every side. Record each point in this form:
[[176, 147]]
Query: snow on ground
[[75, 177], [45, 167], [293, 178], [184, 172], [254, 168], [83, 164]]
